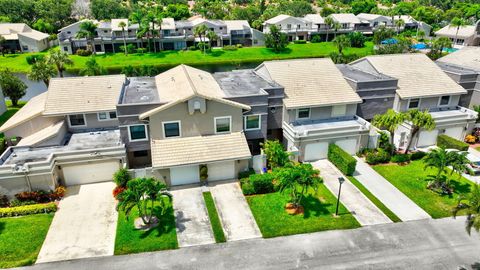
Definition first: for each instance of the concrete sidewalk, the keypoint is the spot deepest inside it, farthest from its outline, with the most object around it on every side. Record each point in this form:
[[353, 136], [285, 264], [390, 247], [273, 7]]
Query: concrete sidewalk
[[359, 205], [235, 215], [389, 195]]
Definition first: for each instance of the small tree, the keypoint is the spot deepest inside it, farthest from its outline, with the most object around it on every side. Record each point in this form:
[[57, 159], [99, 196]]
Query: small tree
[[143, 194], [357, 39], [296, 180], [399, 24], [92, 68], [341, 42], [42, 71], [418, 120], [60, 60], [471, 204], [121, 177], [201, 31], [381, 34], [211, 35], [276, 40], [440, 159], [276, 155], [12, 86]]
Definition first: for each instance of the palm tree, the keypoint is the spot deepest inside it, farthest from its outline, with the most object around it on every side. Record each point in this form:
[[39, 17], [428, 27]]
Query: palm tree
[[200, 31], [122, 25], [211, 35], [92, 68], [458, 23], [145, 194], [152, 20], [138, 17], [60, 60], [441, 43], [399, 24], [471, 204], [42, 71], [2, 41], [418, 120], [329, 22], [336, 27], [341, 42], [88, 31], [389, 120]]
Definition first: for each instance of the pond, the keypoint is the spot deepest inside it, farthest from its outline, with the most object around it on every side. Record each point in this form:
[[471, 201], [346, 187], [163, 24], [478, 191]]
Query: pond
[[35, 88]]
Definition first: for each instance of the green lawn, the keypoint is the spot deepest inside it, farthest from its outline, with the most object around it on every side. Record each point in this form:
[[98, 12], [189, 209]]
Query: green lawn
[[21, 239], [269, 212], [131, 240], [11, 110], [214, 219], [166, 59], [411, 180], [374, 200]]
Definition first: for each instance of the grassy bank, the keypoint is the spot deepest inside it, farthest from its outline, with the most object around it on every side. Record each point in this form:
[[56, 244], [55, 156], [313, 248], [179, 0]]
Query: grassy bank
[[165, 59]]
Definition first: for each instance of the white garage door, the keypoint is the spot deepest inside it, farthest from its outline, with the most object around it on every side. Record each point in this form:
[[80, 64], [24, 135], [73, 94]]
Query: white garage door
[[427, 138], [349, 146], [455, 132], [89, 173], [315, 151], [184, 175], [221, 171]]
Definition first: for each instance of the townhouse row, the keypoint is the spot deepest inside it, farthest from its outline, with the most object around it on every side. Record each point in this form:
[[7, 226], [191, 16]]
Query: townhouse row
[[85, 128], [468, 35]]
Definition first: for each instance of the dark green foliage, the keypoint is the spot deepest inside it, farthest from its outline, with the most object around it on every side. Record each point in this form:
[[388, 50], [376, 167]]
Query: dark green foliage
[[247, 188], [344, 161], [357, 39], [12, 86], [262, 183], [130, 48], [82, 52], [378, 156], [230, 48], [2, 145], [300, 41], [203, 172], [316, 39], [382, 34], [401, 158], [276, 40], [32, 59], [417, 155], [448, 142], [214, 219], [338, 58], [121, 177], [245, 174], [108, 9]]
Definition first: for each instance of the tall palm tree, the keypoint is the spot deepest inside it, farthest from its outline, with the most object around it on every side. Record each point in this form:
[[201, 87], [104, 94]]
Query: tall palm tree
[[329, 22], [200, 31], [399, 24], [122, 25], [138, 17], [59, 59], [211, 35], [458, 23], [471, 204], [341, 42], [88, 31], [42, 71], [152, 20], [159, 19]]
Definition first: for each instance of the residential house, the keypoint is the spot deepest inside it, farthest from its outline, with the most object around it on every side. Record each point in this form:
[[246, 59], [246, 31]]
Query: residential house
[[422, 85], [468, 35], [463, 66], [376, 20], [412, 24], [21, 38], [351, 23], [295, 28]]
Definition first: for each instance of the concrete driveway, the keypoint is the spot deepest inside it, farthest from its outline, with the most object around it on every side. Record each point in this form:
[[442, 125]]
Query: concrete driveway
[[191, 217], [235, 215], [84, 226]]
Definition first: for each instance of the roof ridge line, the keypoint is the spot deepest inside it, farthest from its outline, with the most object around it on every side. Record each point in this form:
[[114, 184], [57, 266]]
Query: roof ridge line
[[190, 82]]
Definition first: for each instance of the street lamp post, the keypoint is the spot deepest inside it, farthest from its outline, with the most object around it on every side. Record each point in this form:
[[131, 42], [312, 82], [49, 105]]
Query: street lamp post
[[340, 180]]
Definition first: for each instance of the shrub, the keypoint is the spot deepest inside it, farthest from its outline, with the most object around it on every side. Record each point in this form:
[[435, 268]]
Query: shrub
[[239, 46], [203, 172], [2, 145], [52, 37], [4, 201], [203, 46], [262, 183], [121, 177], [82, 52], [344, 161], [247, 189], [379, 156], [417, 155], [16, 202], [130, 48], [300, 41], [357, 39], [470, 139], [58, 193], [338, 58], [448, 142], [32, 59], [141, 50], [28, 210], [117, 191], [230, 48], [316, 39], [245, 174], [192, 48], [400, 158]]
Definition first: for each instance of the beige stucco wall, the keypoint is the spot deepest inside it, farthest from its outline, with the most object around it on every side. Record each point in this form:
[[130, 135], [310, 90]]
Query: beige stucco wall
[[32, 126], [16, 184], [93, 122], [319, 113]]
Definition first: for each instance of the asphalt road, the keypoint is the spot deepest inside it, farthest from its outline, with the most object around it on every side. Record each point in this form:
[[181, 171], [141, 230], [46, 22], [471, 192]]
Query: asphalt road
[[424, 244]]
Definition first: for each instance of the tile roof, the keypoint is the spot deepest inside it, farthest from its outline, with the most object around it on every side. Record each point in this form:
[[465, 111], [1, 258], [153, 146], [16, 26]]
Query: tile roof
[[199, 149], [237, 25], [463, 32], [345, 18], [314, 18], [115, 24], [309, 82], [32, 109], [417, 75], [467, 57], [280, 18], [42, 135], [11, 31], [35, 35], [83, 94]]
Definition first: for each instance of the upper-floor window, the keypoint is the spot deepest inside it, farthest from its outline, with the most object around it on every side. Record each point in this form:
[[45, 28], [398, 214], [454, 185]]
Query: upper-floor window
[[137, 133], [414, 103], [444, 101], [252, 122], [289, 26], [77, 120], [104, 116], [68, 32], [339, 110], [171, 129], [223, 124], [298, 26], [303, 113]]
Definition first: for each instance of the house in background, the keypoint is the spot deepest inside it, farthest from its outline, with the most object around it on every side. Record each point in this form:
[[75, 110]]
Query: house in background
[[376, 20], [20, 37], [468, 35], [463, 66]]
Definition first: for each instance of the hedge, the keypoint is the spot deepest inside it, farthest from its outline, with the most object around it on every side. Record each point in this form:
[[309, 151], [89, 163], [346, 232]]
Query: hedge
[[448, 142], [28, 210], [344, 161]]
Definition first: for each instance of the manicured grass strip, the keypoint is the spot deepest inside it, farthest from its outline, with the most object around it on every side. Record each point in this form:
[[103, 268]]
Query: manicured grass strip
[[374, 200], [273, 220], [21, 239], [214, 219], [131, 240], [166, 59], [411, 179]]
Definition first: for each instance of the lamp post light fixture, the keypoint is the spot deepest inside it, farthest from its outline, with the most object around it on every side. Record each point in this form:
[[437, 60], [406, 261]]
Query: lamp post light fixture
[[340, 180]]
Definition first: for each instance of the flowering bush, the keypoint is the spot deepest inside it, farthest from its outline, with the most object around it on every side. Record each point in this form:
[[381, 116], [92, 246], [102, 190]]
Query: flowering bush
[[117, 191], [470, 139], [41, 196]]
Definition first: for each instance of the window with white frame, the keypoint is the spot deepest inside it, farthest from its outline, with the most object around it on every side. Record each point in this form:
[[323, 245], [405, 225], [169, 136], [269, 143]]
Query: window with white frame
[[414, 103], [444, 101], [77, 120], [252, 122], [104, 116], [223, 124], [137, 133], [303, 113], [171, 129]]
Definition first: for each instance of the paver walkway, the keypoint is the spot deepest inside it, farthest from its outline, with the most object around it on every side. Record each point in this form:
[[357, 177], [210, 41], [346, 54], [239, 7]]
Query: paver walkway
[[389, 195], [235, 215], [359, 205], [191, 217], [84, 225]]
